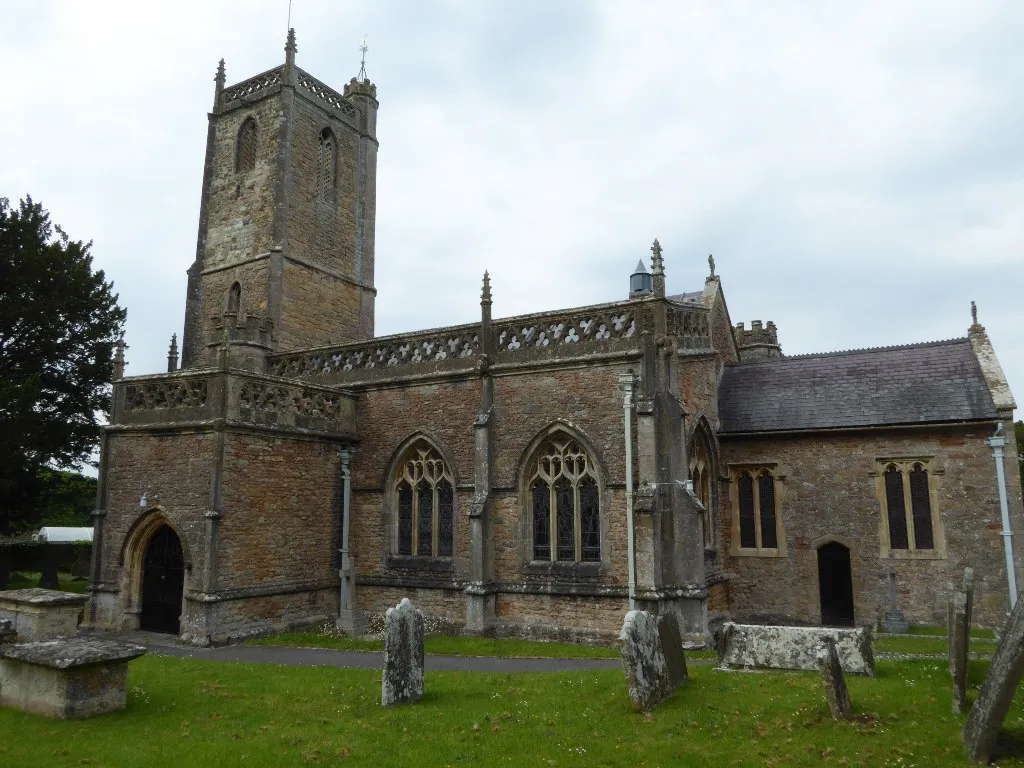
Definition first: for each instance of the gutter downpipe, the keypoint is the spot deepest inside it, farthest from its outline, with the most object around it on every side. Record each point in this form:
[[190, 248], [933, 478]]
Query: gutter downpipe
[[996, 443], [626, 383], [345, 572]]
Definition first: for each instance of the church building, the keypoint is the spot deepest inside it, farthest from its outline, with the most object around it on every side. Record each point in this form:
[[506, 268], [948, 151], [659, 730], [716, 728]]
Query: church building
[[532, 476]]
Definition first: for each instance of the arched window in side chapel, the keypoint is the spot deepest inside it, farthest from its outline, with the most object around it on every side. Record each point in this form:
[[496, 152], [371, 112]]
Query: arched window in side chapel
[[700, 474], [564, 503], [245, 159], [424, 496], [326, 175]]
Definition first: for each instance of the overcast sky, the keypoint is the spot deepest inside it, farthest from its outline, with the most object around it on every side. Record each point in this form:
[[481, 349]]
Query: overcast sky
[[857, 169]]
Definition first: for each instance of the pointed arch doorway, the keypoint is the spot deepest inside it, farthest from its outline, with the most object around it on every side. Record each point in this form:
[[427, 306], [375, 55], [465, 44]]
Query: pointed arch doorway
[[163, 582], [835, 585]]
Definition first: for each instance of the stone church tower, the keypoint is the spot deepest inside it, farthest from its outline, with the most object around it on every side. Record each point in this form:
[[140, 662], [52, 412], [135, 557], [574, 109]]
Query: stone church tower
[[284, 258]]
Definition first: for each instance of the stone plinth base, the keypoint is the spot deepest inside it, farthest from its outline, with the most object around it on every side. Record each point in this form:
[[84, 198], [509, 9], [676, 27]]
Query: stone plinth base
[[66, 679], [41, 614]]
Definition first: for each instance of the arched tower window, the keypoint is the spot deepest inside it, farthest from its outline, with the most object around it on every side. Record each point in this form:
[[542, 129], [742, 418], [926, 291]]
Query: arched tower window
[[701, 475], [246, 152], [234, 297], [564, 502], [424, 495], [326, 169]]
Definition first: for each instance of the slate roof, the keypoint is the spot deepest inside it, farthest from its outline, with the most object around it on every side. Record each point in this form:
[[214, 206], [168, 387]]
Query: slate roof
[[937, 381]]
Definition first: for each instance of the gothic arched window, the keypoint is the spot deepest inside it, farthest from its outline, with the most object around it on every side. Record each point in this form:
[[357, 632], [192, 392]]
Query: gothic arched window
[[245, 158], [701, 475], [424, 496], [564, 503], [908, 506], [326, 173], [757, 525]]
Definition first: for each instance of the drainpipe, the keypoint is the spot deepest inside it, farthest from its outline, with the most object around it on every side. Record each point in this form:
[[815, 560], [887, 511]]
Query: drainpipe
[[996, 443], [626, 383], [346, 574]]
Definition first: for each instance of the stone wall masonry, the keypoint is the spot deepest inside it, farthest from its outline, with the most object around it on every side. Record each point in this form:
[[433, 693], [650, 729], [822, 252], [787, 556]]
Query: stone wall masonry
[[232, 620], [241, 204], [317, 308], [545, 617], [282, 529], [440, 608], [253, 277], [827, 492]]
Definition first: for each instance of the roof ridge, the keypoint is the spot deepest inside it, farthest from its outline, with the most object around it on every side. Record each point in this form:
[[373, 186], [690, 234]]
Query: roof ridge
[[841, 352]]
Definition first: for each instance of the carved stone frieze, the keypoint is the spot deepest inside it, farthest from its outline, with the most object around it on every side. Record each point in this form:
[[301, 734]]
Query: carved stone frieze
[[190, 393]]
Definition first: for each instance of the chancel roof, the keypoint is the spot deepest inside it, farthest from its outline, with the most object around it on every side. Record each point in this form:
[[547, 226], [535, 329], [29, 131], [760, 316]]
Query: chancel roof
[[938, 381]]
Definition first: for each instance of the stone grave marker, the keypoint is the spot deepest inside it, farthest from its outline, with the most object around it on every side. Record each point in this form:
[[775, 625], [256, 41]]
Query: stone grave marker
[[836, 692], [981, 730], [958, 629], [643, 661], [672, 647], [41, 614], [894, 620], [402, 680]]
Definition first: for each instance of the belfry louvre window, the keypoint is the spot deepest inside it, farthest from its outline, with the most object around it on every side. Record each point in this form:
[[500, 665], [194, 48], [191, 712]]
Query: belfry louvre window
[[565, 504], [700, 474], [246, 152], [908, 505], [326, 169], [757, 527], [425, 499]]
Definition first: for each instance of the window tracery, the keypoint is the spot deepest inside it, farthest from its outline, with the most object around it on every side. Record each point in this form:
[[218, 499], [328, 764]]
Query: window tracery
[[425, 500], [757, 524], [326, 166], [908, 506], [246, 153], [701, 476], [564, 503]]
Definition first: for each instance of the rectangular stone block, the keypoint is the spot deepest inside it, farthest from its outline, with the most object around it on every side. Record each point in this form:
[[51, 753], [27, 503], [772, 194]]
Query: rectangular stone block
[[66, 679], [836, 692], [41, 614], [755, 646]]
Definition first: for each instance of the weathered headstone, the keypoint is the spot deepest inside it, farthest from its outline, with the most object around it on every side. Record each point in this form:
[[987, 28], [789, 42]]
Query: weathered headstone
[[672, 647], [968, 587], [981, 730], [957, 629], [756, 646], [836, 693], [894, 620], [643, 661], [402, 680]]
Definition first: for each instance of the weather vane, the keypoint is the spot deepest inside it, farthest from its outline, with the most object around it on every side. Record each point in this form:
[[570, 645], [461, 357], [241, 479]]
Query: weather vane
[[362, 64]]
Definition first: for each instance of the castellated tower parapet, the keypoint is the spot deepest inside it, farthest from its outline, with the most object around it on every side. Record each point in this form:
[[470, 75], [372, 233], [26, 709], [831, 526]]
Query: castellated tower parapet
[[286, 226], [761, 342]]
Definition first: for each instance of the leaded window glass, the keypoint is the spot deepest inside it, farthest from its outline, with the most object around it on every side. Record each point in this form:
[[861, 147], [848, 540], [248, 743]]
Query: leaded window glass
[[246, 152], [748, 528], [766, 497], [425, 496], [896, 508], [921, 508], [565, 503]]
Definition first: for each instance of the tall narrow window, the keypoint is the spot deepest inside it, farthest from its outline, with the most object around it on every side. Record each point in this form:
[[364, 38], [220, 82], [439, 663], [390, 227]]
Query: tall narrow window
[[700, 475], [234, 297], [425, 499], [326, 168], [565, 503], [245, 158], [910, 524], [757, 524]]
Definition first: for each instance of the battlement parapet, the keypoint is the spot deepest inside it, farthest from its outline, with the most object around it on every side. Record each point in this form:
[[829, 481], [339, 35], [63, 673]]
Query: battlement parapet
[[255, 87], [760, 342]]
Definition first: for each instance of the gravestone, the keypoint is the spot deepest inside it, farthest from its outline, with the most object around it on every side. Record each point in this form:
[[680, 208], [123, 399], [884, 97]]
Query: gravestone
[[836, 693], [957, 632], [756, 646], [643, 661], [402, 680], [66, 678], [981, 730], [894, 620], [41, 614], [968, 588], [672, 647]]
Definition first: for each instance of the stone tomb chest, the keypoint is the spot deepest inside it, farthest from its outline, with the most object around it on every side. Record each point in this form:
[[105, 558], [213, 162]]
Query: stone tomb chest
[[41, 614], [77, 677], [752, 646]]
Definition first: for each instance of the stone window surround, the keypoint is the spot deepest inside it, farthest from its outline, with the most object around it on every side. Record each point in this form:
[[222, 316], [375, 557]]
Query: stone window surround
[[756, 468], [712, 515], [327, 139], [245, 156], [904, 464], [392, 558]]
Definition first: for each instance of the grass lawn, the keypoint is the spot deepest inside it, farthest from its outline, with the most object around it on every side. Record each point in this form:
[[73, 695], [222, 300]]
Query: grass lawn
[[927, 644], [183, 712], [66, 581]]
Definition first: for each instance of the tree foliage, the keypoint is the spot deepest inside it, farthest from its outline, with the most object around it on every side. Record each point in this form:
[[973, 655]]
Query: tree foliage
[[59, 323]]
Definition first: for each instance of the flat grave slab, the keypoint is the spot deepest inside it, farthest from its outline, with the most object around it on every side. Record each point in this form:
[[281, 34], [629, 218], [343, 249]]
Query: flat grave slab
[[41, 614], [755, 646]]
